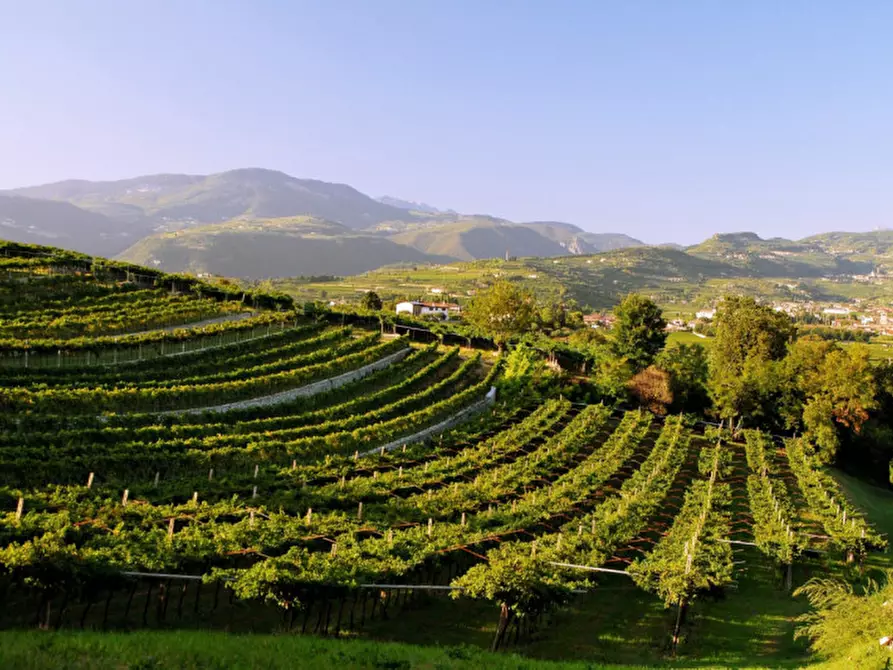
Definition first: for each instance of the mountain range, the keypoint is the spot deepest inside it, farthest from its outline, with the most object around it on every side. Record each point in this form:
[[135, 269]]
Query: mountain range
[[255, 222]]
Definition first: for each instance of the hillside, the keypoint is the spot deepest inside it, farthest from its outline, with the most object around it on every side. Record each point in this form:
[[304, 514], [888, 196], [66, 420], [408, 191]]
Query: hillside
[[261, 248], [61, 224], [480, 237], [394, 230], [855, 245], [251, 192], [408, 205], [778, 257], [578, 241], [470, 237], [279, 467], [681, 281]]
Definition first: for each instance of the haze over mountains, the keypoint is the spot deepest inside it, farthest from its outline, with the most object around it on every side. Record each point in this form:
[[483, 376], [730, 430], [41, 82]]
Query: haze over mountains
[[255, 222], [258, 223]]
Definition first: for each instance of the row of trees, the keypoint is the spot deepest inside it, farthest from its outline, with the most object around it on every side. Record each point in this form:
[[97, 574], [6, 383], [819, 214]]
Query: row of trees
[[758, 371]]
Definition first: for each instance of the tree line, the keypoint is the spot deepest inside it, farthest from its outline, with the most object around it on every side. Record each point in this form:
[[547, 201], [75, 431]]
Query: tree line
[[759, 369]]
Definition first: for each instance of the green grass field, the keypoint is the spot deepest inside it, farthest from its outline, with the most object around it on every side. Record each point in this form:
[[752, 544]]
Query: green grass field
[[686, 337], [219, 651]]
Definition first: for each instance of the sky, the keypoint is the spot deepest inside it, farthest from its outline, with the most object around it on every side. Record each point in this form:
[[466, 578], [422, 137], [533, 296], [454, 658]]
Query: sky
[[668, 121]]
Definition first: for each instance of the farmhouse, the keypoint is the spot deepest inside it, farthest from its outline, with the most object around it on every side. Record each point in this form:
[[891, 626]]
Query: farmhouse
[[598, 320], [418, 308]]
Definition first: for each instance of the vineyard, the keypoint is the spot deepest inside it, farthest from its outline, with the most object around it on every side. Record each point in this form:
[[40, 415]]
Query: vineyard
[[173, 454]]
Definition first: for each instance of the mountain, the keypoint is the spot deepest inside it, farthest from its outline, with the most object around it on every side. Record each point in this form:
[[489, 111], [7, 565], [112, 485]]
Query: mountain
[[107, 217], [408, 205], [578, 241], [779, 257], [61, 224], [169, 200], [279, 247], [474, 237], [874, 243], [481, 236]]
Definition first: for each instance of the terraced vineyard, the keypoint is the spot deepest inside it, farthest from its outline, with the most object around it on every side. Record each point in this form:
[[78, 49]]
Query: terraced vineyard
[[267, 471]]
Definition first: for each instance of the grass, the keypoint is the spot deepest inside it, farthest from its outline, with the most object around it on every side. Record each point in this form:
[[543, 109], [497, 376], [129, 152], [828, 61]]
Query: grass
[[36, 650], [686, 337]]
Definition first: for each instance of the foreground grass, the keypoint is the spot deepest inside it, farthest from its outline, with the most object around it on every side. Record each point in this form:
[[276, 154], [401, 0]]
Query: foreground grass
[[151, 650]]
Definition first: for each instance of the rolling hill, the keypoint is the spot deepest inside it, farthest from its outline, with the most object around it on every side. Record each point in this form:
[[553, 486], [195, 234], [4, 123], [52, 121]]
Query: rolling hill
[[61, 224], [474, 237], [480, 236], [280, 247], [778, 257]]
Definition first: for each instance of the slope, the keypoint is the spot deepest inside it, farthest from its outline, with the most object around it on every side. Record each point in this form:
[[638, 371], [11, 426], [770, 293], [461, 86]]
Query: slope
[[255, 192], [61, 224], [261, 248], [778, 257], [473, 237]]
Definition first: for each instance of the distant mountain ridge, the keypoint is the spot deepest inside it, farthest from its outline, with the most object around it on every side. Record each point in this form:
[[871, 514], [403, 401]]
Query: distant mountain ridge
[[410, 205], [135, 217], [247, 192], [60, 224]]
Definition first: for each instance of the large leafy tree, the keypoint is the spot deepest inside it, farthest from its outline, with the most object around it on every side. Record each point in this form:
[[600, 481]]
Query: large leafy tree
[[688, 369], [835, 387], [371, 301], [750, 340], [502, 311], [639, 332]]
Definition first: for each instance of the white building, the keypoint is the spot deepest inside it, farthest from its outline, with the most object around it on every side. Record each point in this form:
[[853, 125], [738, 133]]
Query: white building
[[838, 311], [706, 314], [418, 308]]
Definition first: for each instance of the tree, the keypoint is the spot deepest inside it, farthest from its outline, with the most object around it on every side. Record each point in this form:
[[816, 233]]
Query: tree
[[639, 332], [689, 371], [826, 389], [652, 388], [848, 628], [842, 393], [521, 583], [749, 338], [610, 374], [502, 311], [371, 301]]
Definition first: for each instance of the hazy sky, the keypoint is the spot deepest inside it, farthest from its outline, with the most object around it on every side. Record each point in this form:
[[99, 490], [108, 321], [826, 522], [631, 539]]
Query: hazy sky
[[667, 120]]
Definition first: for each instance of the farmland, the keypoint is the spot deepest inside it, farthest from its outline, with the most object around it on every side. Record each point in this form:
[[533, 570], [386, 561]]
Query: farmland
[[173, 455]]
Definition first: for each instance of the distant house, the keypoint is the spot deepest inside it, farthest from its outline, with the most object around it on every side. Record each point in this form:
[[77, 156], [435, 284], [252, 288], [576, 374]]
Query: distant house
[[706, 314], [418, 308], [836, 310], [597, 320]]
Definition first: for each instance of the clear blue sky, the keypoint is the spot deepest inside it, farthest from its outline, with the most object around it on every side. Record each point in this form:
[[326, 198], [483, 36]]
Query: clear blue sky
[[668, 120]]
